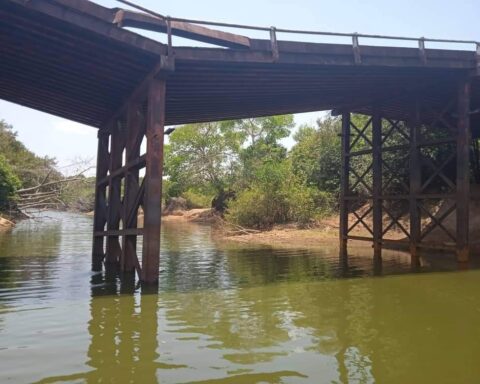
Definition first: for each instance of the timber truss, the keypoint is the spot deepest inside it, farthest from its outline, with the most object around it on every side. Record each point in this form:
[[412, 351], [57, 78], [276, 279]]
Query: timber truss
[[397, 173], [121, 193]]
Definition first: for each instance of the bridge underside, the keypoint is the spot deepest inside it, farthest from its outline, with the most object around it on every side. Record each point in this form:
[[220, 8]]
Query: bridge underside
[[67, 58]]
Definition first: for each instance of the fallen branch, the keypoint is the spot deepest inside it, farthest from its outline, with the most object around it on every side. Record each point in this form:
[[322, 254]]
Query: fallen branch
[[37, 187]]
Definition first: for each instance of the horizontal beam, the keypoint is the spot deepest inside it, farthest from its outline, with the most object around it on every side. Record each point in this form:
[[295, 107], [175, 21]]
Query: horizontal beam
[[326, 54], [135, 164], [120, 232], [420, 196], [126, 18], [92, 17]]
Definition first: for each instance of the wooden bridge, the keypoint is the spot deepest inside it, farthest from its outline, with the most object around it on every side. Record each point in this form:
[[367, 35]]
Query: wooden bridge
[[75, 59]]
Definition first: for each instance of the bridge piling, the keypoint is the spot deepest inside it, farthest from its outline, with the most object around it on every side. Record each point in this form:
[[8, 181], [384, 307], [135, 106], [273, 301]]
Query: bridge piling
[[415, 179], [100, 207], [344, 184], [152, 204], [377, 203], [421, 199], [120, 192], [463, 171]]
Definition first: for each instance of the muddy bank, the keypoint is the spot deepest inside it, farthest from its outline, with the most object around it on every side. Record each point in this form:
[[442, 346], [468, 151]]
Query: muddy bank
[[288, 237], [323, 233]]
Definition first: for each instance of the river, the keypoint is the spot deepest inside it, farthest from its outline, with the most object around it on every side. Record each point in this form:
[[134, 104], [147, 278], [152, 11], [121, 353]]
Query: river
[[227, 313]]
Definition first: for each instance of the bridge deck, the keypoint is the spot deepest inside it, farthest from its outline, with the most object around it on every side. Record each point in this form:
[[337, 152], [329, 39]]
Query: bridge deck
[[65, 57]]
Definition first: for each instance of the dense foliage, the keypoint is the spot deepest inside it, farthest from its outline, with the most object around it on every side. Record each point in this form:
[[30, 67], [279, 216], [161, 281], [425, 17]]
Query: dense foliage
[[245, 165], [9, 183], [29, 168], [21, 170]]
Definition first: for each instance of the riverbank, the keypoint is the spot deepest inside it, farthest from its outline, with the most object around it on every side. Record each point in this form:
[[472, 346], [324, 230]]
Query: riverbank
[[324, 233]]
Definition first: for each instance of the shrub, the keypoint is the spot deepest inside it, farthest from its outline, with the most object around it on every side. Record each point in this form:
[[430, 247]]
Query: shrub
[[197, 199], [278, 196]]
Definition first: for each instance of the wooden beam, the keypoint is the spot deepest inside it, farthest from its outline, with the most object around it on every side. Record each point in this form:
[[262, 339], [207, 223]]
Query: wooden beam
[[377, 183], [463, 170], [93, 18], [118, 139], [164, 65], [120, 232], [135, 131], [152, 204], [100, 207], [415, 182], [125, 18], [344, 185], [135, 164]]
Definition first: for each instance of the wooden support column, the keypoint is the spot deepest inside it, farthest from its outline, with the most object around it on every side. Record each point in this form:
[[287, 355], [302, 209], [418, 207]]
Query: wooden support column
[[344, 185], [128, 259], [414, 183], [377, 184], [100, 209], [118, 138], [463, 171], [153, 181]]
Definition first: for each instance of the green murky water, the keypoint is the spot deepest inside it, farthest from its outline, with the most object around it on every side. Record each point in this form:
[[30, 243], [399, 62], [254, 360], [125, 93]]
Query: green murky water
[[227, 314]]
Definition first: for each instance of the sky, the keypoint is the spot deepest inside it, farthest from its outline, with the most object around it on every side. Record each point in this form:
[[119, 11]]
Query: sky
[[67, 141]]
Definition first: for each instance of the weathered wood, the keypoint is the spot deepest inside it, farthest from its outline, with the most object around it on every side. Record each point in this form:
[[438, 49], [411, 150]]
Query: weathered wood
[[152, 204], [127, 18], [128, 257], [164, 64], [377, 183], [414, 183], [120, 232], [94, 18], [118, 138], [344, 184], [131, 166], [100, 207], [463, 170]]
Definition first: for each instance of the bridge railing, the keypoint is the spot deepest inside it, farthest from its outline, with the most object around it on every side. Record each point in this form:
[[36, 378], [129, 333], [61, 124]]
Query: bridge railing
[[274, 30]]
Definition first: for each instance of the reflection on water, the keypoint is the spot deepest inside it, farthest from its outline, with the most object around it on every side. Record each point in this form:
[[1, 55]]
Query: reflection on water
[[229, 314]]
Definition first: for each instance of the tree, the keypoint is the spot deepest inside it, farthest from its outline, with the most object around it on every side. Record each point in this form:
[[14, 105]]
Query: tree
[[261, 138], [9, 183], [28, 181], [202, 156], [269, 129], [317, 154], [30, 169]]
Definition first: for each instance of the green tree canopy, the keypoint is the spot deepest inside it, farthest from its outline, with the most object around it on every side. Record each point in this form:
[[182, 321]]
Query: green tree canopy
[[316, 156], [203, 156], [9, 183], [29, 168]]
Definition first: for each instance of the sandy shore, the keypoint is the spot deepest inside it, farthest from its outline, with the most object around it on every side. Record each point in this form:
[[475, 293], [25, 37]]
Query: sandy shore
[[323, 234]]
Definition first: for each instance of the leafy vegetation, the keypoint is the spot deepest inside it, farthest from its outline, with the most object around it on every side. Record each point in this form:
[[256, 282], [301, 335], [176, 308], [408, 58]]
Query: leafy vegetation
[[243, 168], [28, 180], [9, 183]]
